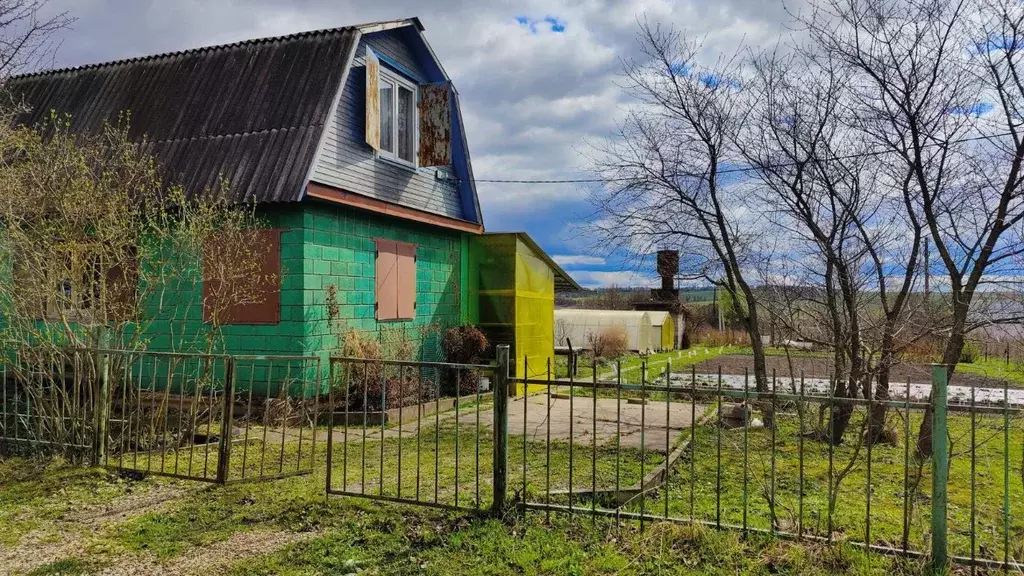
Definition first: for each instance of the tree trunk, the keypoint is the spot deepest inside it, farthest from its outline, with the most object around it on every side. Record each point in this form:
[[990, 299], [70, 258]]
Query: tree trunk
[[760, 369], [950, 356]]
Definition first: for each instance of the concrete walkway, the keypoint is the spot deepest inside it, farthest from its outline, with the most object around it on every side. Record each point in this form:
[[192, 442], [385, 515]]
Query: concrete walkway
[[634, 423]]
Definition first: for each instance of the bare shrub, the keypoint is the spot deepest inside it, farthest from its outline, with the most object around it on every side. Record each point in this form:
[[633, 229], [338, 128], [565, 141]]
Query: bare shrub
[[374, 385], [712, 337], [464, 344], [608, 343]]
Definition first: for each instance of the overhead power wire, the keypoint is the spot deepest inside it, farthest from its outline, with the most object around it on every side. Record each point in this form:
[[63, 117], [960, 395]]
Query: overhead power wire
[[736, 170]]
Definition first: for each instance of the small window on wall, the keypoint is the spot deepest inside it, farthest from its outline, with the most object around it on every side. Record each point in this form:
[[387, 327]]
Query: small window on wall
[[247, 292], [406, 121], [395, 280]]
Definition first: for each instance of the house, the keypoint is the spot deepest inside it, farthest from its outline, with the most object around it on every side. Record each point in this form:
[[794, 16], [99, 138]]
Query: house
[[512, 285], [351, 142]]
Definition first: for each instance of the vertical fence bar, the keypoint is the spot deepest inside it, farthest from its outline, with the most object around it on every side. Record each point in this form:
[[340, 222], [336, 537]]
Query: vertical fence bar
[[476, 434], [547, 448], [224, 455], [718, 453], [102, 408], [974, 461], [643, 438], [772, 432], [940, 466], [331, 379], [618, 438], [500, 463], [593, 461], [668, 429], [693, 438], [248, 424], [746, 443], [383, 416], [526, 401], [401, 405], [572, 434], [800, 448], [1006, 468], [906, 468], [419, 426], [458, 385], [831, 448], [867, 488], [437, 431]]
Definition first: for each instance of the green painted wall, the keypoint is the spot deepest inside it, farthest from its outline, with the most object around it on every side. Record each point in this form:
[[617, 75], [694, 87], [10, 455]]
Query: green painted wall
[[324, 244], [339, 249]]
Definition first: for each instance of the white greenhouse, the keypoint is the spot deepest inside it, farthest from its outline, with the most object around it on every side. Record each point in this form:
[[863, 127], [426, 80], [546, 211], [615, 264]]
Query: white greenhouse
[[580, 326]]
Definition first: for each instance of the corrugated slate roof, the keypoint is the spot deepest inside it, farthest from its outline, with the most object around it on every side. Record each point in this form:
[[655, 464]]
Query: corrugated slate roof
[[251, 112]]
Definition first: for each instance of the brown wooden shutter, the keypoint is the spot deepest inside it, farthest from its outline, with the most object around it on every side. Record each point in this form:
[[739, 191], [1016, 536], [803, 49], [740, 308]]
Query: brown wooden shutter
[[406, 280], [435, 125], [372, 100], [387, 280], [265, 289]]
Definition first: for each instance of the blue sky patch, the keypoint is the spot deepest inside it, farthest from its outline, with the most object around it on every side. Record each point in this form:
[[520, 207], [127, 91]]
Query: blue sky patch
[[975, 110], [552, 23]]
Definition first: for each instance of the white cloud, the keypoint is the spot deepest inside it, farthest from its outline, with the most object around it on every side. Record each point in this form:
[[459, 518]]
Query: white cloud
[[578, 260], [620, 278]]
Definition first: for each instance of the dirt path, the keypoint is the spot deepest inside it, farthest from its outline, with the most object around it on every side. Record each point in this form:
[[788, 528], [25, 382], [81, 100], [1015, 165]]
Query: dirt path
[[211, 559], [67, 537]]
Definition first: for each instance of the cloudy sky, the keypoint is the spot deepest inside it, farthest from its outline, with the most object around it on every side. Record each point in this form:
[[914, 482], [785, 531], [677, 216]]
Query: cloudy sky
[[537, 81]]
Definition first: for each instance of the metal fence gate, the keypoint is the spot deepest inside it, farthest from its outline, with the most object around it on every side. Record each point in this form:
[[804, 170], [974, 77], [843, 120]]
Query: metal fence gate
[[414, 432]]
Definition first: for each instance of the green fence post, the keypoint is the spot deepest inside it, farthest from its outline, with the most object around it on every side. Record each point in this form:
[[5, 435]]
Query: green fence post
[[501, 430], [940, 467]]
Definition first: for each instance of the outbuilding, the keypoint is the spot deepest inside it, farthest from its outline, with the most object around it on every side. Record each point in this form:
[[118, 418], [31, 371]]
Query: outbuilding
[[579, 327]]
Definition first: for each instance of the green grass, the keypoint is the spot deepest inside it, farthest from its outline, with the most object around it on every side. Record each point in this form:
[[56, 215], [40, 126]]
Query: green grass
[[36, 492], [416, 543], [997, 368], [63, 567]]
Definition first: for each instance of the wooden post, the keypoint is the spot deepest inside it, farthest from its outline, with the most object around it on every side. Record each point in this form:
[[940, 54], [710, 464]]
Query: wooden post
[[227, 415], [940, 467], [101, 361], [501, 430]]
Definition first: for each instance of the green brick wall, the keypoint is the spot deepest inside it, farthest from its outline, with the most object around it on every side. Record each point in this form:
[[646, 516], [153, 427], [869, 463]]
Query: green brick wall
[[321, 244], [338, 248]]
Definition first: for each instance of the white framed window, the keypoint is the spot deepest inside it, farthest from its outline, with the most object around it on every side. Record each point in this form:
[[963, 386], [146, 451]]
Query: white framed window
[[399, 124]]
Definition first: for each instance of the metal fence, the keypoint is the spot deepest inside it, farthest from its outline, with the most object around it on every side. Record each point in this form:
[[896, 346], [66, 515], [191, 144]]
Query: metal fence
[[206, 417], [415, 432], [691, 448]]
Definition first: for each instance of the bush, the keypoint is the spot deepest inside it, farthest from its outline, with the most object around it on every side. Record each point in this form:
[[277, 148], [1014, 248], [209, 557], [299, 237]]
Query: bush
[[970, 353], [464, 344], [607, 344], [373, 385], [715, 338]]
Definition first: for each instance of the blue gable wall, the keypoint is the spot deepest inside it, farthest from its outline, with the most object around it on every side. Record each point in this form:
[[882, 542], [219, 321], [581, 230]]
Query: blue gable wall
[[346, 162]]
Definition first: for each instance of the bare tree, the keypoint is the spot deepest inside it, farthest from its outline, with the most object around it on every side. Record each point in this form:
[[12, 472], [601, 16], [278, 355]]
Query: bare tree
[[97, 249], [27, 30], [663, 171], [923, 71]]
